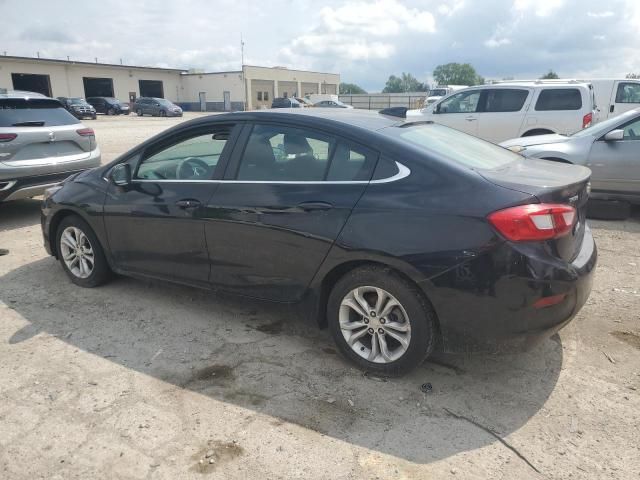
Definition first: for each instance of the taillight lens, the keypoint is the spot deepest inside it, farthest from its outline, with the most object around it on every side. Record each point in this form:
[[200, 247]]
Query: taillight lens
[[7, 137], [538, 221], [586, 120], [85, 132]]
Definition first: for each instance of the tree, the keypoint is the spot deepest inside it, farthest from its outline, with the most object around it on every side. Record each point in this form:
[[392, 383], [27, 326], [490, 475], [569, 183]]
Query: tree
[[350, 88], [457, 74], [550, 75], [405, 83], [633, 75]]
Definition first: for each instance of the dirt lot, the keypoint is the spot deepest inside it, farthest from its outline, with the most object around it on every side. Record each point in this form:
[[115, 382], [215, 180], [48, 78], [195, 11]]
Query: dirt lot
[[150, 380]]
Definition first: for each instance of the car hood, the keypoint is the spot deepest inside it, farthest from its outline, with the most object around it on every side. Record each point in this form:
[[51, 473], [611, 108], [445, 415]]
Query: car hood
[[535, 140]]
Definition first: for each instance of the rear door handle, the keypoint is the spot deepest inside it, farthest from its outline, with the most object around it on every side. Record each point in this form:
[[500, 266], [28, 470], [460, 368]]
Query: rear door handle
[[470, 119], [188, 203], [612, 108], [310, 206]]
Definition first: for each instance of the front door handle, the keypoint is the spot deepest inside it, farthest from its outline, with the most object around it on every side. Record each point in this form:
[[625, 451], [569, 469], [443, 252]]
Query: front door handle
[[471, 119], [310, 206], [188, 203], [612, 108]]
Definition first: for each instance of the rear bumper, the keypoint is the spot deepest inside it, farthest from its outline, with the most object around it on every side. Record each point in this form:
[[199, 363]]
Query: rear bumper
[[491, 306], [28, 187]]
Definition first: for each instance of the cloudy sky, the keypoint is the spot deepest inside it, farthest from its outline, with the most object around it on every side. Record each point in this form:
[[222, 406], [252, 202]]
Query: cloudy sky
[[364, 41]]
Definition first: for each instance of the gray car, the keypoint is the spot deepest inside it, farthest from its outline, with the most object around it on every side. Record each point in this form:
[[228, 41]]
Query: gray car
[[41, 144], [157, 107], [611, 149]]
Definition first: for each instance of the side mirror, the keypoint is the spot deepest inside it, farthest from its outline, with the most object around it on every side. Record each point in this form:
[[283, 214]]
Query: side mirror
[[614, 135], [121, 175]]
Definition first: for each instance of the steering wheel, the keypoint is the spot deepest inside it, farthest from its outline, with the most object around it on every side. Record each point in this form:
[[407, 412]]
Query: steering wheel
[[192, 168]]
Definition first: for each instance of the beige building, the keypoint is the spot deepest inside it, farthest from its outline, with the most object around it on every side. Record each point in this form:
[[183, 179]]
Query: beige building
[[255, 87]]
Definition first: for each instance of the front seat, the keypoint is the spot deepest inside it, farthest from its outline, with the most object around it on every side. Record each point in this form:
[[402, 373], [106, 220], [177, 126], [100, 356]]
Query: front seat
[[303, 165], [258, 161]]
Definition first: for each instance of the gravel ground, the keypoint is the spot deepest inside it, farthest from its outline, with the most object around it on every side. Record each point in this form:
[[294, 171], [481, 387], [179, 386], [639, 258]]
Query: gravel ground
[[155, 381]]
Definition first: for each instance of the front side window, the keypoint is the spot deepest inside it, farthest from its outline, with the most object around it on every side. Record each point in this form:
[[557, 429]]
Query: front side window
[[632, 131], [505, 100], [192, 158], [464, 102], [559, 99], [628, 93]]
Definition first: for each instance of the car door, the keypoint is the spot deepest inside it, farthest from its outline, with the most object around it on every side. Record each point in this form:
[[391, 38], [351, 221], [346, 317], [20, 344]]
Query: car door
[[287, 194], [155, 226], [502, 112], [626, 97], [459, 111], [615, 165]]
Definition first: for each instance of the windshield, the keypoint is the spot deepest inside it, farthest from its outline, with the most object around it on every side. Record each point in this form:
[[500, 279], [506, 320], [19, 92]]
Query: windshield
[[77, 101], [604, 126], [164, 102], [437, 92], [459, 147]]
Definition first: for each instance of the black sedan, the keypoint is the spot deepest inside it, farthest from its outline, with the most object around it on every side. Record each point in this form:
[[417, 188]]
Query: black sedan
[[396, 235]]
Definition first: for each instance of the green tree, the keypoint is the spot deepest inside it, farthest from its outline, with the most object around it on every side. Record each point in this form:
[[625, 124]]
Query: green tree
[[550, 75], [405, 83], [633, 75], [457, 74], [350, 88]]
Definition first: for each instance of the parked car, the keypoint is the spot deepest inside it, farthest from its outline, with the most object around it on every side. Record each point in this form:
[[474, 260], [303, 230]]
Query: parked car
[[41, 143], [440, 91], [394, 235], [156, 107], [507, 110], [611, 149], [109, 105], [285, 102], [304, 102], [78, 107], [614, 97], [332, 104]]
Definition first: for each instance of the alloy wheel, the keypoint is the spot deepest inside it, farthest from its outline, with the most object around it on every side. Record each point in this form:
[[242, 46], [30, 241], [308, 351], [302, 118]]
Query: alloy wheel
[[374, 324], [77, 252]]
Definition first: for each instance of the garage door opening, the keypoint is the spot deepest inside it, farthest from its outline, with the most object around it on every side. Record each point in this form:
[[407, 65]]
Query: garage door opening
[[32, 83], [98, 87], [151, 88]]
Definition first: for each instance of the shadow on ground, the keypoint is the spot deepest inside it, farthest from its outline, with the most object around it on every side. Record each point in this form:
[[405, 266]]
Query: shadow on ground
[[18, 214], [263, 357]]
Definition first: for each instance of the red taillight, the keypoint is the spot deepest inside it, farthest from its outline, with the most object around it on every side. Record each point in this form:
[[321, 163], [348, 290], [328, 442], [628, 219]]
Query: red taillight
[[587, 119], [549, 301], [538, 221], [85, 132], [7, 137]]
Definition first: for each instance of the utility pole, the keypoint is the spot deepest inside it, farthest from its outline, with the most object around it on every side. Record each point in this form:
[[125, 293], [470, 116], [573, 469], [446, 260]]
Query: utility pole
[[244, 80]]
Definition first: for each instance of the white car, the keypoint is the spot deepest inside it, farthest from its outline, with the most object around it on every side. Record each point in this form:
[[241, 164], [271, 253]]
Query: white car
[[614, 97], [440, 91], [507, 110]]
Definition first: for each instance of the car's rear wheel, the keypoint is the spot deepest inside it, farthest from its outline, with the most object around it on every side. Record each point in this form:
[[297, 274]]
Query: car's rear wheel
[[380, 321], [139, 112], [111, 111], [80, 253], [163, 113]]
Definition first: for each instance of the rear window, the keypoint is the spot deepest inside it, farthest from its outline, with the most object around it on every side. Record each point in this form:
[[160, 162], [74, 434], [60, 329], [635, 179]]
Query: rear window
[[15, 112], [559, 99], [505, 100], [459, 147]]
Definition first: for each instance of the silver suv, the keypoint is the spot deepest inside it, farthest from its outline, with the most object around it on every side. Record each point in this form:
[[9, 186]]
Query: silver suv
[[41, 144]]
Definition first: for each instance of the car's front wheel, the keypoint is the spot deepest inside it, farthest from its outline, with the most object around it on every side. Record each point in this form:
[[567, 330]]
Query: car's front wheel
[[380, 321], [139, 112], [80, 253]]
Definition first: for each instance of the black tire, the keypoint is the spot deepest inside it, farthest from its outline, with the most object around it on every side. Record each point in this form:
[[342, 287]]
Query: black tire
[[139, 112], [163, 113], [101, 272], [537, 131], [421, 316], [111, 111], [608, 209]]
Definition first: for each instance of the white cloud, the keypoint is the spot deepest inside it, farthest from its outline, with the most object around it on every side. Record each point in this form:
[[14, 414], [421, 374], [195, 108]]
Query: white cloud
[[541, 8], [497, 42], [604, 14], [449, 9]]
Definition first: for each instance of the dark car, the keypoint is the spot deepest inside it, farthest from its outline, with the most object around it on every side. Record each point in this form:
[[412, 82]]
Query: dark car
[[156, 107], [78, 107], [109, 105], [285, 102], [397, 236]]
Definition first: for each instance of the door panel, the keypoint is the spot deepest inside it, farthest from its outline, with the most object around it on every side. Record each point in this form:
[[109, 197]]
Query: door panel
[[459, 111], [155, 225], [270, 226], [615, 165], [502, 113]]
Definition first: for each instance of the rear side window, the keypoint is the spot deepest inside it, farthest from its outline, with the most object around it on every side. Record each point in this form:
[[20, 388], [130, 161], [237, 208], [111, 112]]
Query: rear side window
[[350, 163], [505, 100], [559, 99], [628, 93], [36, 112]]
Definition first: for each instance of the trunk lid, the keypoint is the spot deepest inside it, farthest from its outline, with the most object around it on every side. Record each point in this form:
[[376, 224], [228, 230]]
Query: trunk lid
[[550, 182]]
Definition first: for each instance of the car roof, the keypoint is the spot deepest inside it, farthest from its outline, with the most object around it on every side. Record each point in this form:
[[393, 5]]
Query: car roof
[[532, 83], [365, 119], [22, 94]]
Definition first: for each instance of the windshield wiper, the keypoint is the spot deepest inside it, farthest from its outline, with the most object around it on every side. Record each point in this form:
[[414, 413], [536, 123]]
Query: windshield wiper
[[31, 123]]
